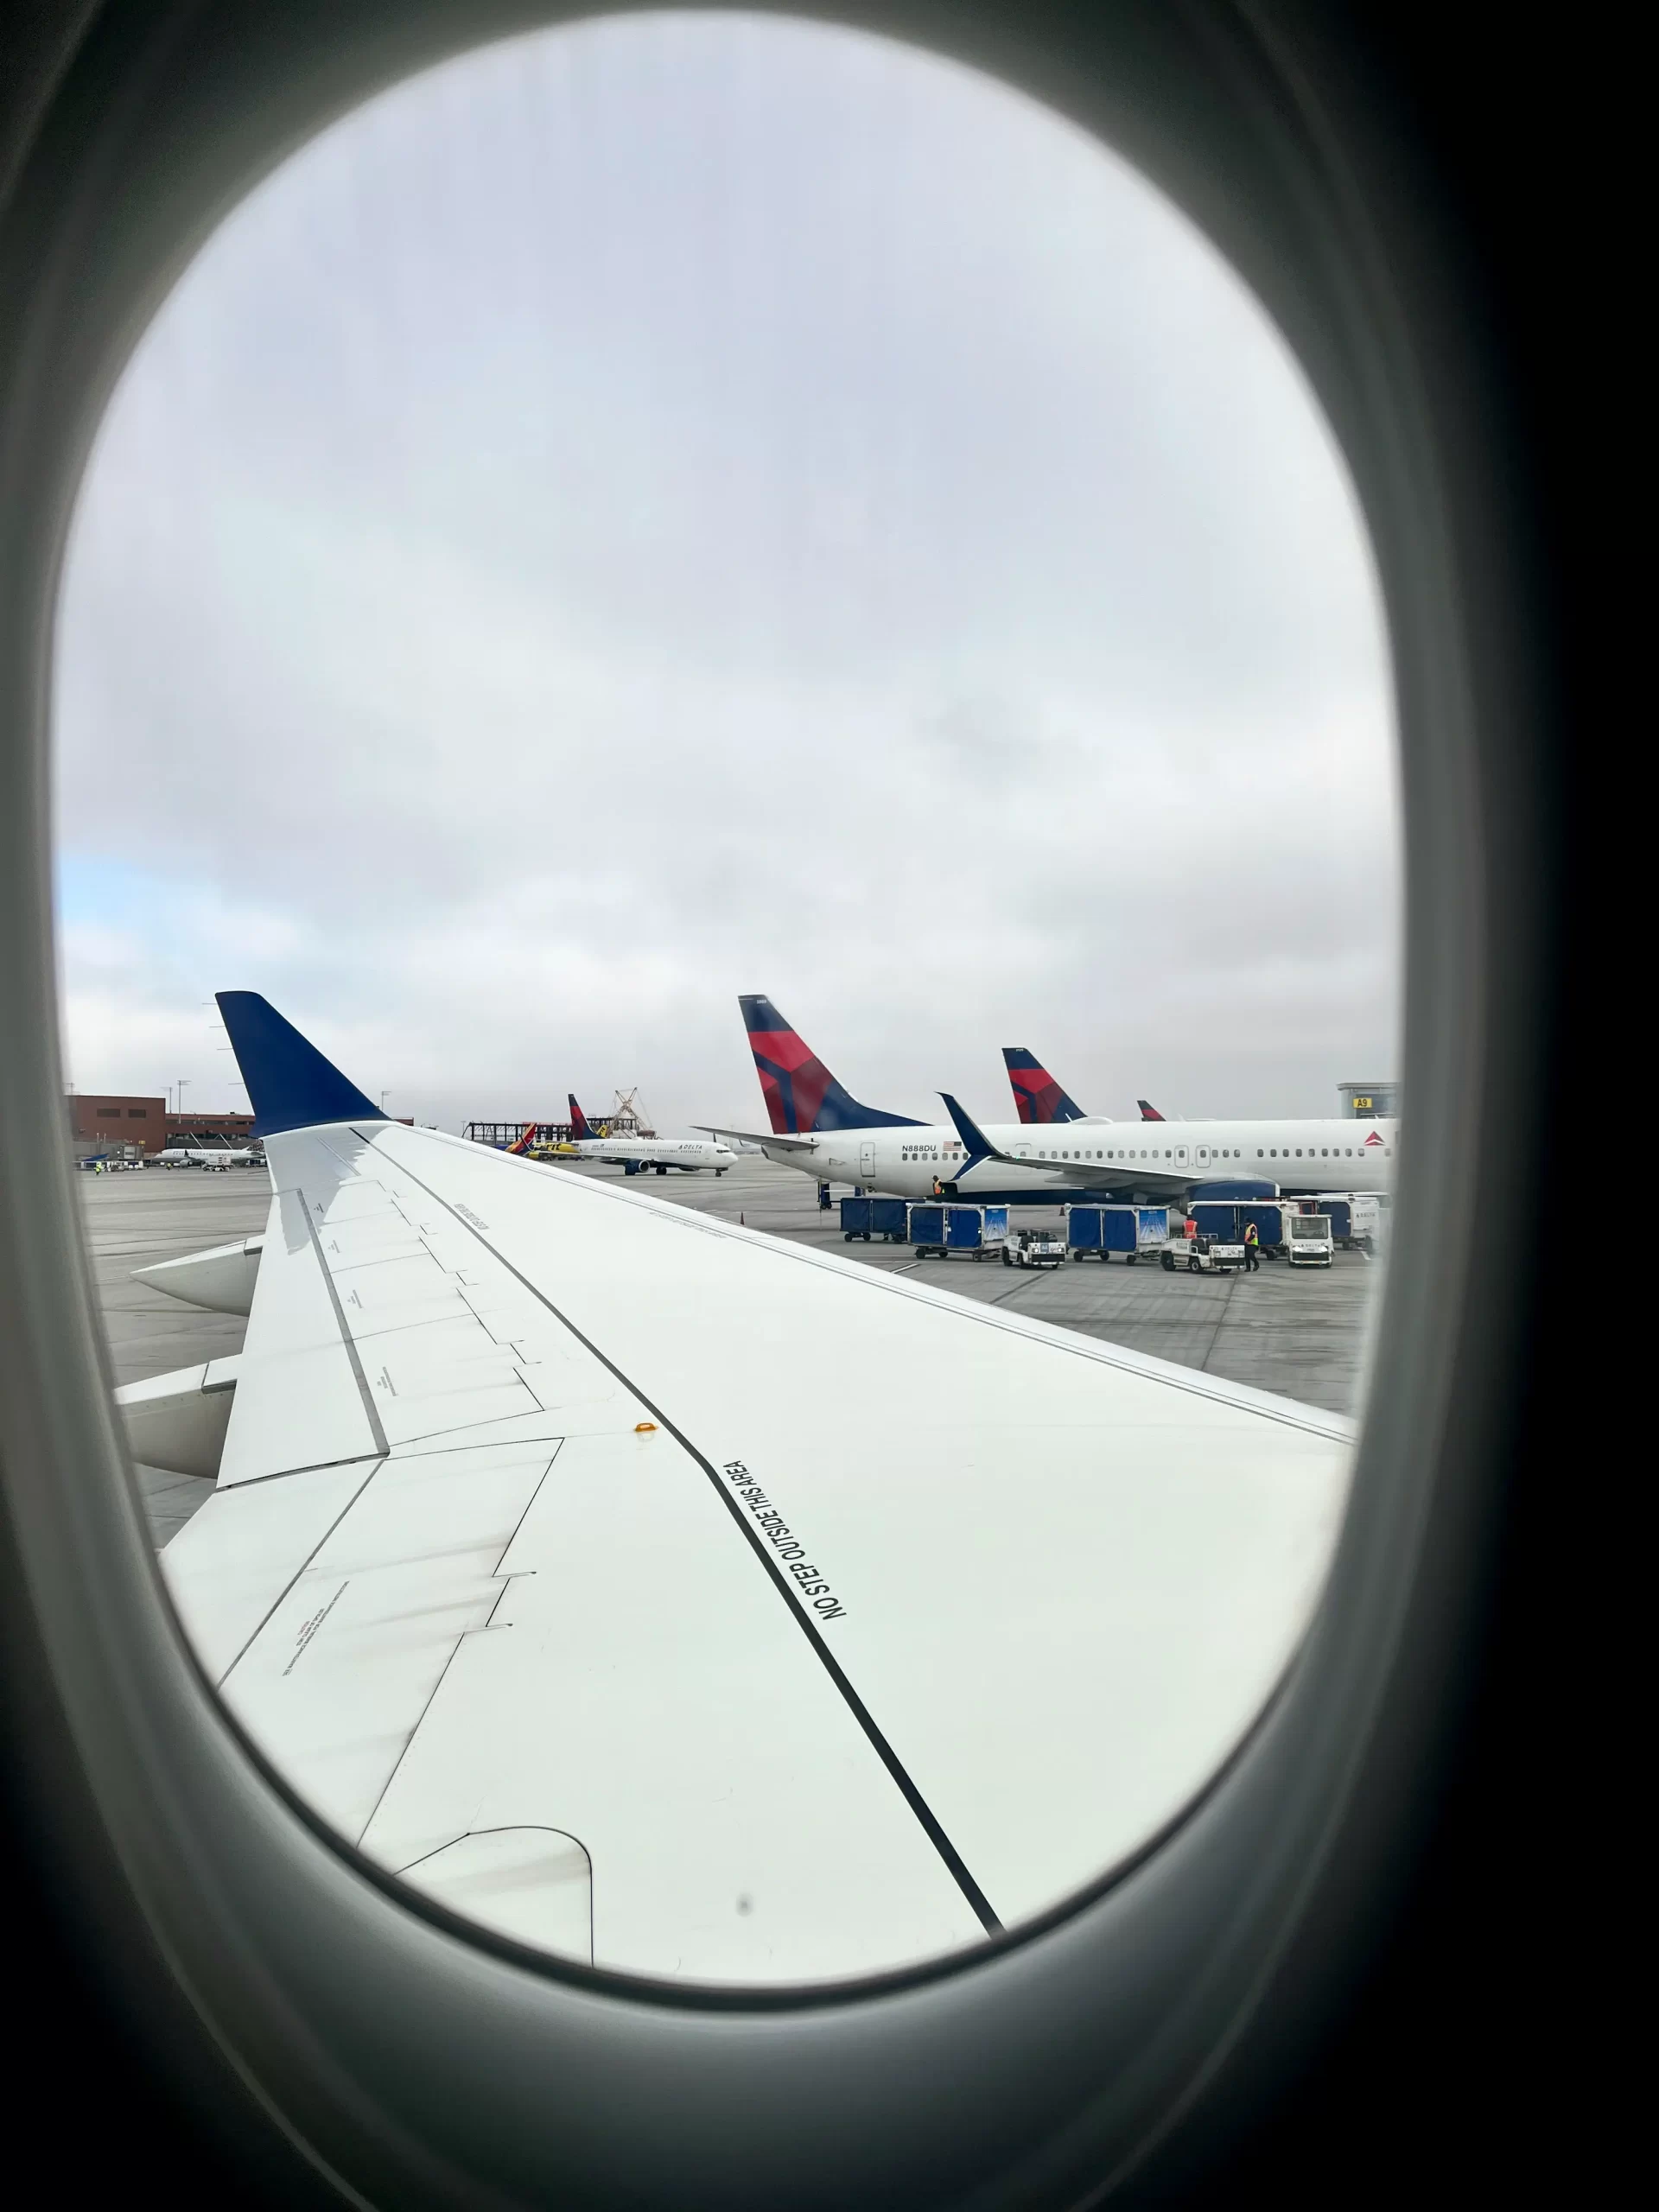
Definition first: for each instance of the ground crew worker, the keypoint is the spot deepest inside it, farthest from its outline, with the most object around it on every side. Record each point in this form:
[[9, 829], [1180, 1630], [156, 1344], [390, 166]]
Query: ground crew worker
[[824, 1197], [1189, 1227], [939, 1188], [1252, 1238]]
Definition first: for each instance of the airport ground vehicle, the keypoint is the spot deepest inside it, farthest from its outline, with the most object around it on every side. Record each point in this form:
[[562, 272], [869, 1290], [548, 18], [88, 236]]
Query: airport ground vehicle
[[1201, 1255], [1308, 1241], [862, 1219], [1034, 1247], [940, 1230]]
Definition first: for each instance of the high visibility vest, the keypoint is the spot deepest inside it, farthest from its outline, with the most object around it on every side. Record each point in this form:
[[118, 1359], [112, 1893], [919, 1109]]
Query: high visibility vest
[[1251, 1235]]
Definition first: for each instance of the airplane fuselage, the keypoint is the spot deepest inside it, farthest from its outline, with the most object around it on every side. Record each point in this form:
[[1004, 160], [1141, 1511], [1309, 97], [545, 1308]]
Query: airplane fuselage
[[691, 1155], [905, 1162]]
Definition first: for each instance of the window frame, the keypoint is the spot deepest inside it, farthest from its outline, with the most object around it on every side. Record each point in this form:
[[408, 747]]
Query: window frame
[[278, 1959]]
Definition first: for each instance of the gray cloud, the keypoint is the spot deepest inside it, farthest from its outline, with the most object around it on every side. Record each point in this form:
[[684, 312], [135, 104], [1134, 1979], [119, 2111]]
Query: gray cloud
[[680, 505]]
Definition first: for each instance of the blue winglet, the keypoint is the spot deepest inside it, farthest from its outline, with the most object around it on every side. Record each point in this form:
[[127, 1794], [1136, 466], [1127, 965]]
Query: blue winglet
[[971, 1135], [291, 1085]]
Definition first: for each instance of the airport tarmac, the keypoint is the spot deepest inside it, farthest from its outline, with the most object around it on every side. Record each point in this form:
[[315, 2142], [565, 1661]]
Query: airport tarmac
[[1301, 1333]]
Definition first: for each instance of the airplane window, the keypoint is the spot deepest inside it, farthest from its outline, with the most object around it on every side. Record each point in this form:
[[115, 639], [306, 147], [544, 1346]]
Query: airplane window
[[520, 495]]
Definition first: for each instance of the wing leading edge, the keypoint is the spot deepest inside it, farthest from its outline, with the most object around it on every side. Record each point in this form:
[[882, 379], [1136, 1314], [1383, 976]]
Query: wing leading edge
[[673, 1598]]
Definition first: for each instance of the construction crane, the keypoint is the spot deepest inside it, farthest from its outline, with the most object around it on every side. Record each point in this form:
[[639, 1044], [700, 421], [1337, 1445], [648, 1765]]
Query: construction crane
[[627, 1118]]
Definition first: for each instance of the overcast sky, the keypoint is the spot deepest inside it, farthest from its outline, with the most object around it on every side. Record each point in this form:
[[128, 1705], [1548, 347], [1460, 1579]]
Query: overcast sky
[[680, 506]]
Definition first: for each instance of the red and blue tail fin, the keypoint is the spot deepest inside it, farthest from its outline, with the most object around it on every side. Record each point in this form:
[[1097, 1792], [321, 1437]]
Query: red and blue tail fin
[[526, 1137], [802, 1096], [1148, 1111], [1036, 1094], [579, 1127]]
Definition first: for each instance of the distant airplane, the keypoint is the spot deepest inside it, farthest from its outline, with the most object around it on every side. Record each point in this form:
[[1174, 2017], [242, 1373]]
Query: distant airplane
[[819, 1128], [209, 1155], [640, 1155]]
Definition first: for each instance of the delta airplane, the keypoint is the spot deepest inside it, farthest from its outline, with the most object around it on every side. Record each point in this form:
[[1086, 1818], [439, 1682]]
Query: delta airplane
[[640, 1155], [818, 1127], [543, 1567]]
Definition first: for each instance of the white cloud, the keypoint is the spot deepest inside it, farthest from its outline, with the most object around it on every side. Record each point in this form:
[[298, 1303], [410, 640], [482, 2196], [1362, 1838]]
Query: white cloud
[[675, 506]]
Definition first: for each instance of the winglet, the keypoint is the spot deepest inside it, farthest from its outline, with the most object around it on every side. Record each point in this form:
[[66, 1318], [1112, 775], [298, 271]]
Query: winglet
[[289, 1084], [978, 1146]]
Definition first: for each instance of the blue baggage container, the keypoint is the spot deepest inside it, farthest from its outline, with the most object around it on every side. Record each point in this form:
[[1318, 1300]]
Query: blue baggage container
[[1269, 1224], [925, 1227], [888, 1219], [855, 1219], [1342, 1218], [1220, 1218], [1226, 1220], [975, 1229], [1105, 1229], [1083, 1229], [1150, 1226], [947, 1228]]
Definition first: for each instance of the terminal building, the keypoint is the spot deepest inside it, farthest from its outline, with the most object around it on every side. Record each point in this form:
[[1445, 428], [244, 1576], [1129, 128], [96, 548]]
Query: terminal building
[[1369, 1101], [107, 1122]]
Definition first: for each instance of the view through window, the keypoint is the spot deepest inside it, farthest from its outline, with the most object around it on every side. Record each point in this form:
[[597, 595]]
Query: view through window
[[756, 674]]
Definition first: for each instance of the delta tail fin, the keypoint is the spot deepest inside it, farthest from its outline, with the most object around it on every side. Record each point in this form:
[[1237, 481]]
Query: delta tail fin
[[802, 1096], [580, 1128], [289, 1084], [1148, 1111], [1036, 1097]]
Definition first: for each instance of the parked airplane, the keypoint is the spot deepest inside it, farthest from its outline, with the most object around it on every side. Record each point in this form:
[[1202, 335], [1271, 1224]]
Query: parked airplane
[[640, 1155], [819, 1128], [476, 1397], [210, 1155]]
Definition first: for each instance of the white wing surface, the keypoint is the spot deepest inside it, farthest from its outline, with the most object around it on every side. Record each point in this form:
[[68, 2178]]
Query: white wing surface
[[691, 1602]]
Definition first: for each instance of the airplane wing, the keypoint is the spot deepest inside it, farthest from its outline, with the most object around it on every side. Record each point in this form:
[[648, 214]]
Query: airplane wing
[[672, 1597], [1102, 1175], [769, 1142]]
